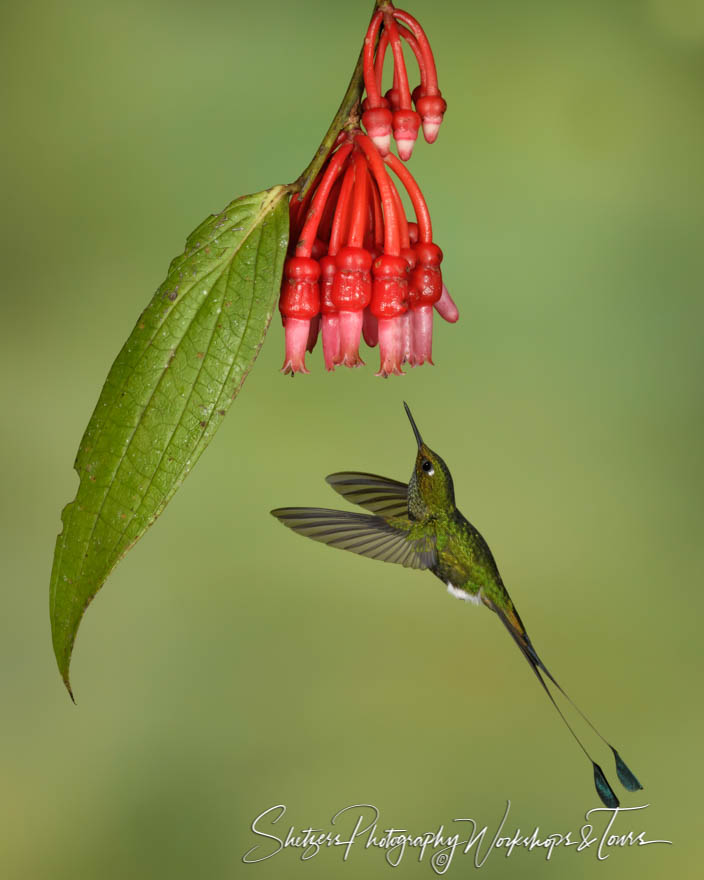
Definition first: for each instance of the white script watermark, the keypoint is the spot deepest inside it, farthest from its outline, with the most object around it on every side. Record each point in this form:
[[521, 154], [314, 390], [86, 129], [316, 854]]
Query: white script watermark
[[359, 827]]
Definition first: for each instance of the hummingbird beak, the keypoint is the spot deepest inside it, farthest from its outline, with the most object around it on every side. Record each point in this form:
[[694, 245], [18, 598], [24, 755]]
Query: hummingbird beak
[[419, 439]]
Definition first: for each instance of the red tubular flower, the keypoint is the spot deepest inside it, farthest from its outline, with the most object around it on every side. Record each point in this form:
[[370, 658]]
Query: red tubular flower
[[406, 121], [330, 324], [426, 279], [352, 284], [299, 302], [390, 270], [332, 350], [427, 97], [351, 293], [377, 117], [388, 305], [425, 291]]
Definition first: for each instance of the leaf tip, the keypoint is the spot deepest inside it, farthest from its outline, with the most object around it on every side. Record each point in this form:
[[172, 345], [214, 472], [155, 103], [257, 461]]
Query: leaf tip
[[63, 670]]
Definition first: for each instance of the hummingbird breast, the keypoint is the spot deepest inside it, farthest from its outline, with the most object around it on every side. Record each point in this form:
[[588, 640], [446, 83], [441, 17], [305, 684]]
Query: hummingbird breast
[[464, 561]]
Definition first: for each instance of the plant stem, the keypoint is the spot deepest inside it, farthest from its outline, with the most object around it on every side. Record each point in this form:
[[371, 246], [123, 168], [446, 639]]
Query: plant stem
[[347, 115]]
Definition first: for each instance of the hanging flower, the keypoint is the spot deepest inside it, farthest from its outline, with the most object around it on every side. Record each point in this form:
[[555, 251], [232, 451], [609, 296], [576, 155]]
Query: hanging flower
[[357, 266]]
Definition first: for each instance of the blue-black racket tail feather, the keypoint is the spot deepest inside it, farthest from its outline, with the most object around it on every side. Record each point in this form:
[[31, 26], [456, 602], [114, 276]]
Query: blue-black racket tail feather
[[627, 777], [603, 789]]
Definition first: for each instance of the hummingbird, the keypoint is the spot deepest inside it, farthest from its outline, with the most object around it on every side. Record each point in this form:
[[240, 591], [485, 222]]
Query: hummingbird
[[417, 525]]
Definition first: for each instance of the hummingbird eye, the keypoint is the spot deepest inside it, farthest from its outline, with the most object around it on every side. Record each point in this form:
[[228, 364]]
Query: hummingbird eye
[[428, 467]]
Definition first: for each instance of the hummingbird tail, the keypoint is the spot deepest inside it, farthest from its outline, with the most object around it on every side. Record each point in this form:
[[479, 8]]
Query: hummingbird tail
[[626, 776], [513, 624]]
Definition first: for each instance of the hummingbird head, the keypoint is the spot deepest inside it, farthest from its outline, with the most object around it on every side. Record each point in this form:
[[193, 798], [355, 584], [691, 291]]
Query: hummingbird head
[[430, 488]]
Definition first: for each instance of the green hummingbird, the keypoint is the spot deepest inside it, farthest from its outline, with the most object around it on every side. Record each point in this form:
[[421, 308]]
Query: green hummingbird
[[417, 525]]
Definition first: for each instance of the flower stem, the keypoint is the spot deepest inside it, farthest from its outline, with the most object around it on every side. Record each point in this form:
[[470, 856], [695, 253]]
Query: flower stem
[[347, 116]]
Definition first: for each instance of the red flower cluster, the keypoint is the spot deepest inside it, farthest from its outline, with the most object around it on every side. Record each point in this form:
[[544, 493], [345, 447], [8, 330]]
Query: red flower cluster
[[393, 111], [356, 264]]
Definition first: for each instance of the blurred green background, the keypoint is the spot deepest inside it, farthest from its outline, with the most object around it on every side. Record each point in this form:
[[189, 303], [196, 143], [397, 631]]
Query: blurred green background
[[228, 665]]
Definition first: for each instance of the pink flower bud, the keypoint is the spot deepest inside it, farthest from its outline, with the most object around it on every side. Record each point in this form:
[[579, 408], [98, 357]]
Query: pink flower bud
[[432, 109], [446, 307], [377, 122], [406, 124]]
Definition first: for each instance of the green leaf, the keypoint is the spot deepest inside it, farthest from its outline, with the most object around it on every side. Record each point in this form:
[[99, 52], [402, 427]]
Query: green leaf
[[166, 395]]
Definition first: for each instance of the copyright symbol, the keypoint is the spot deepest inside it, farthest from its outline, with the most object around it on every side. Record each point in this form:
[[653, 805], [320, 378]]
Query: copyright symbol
[[440, 860]]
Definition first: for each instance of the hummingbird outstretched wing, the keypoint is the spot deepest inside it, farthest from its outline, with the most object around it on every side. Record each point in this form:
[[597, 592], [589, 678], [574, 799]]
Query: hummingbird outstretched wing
[[361, 533], [388, 498]]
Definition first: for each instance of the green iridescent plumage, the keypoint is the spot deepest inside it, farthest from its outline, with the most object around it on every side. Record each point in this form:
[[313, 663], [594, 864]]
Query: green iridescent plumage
[[418, 525]]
